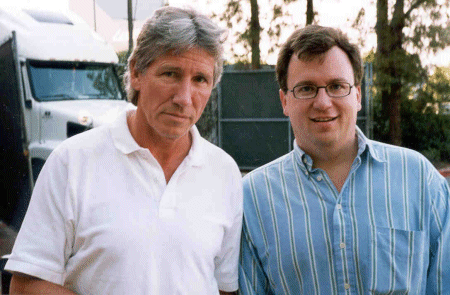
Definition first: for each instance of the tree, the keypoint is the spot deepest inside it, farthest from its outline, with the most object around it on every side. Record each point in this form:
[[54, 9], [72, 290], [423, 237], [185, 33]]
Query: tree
[[243, 19], [130, 26], [309, 12], [254, 34], [426, 119], [435, 94], [395, 66]]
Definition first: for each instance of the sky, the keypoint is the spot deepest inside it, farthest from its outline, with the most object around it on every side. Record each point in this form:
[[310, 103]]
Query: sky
[[336, 13], [333, 13], [115, 8]]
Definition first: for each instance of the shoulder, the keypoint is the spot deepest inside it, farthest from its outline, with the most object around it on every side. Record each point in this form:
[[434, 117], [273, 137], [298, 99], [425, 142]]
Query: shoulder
[[88, 138], [272, 171], [396, 157], [273, 166], [96, 140], [216, 156], [386, 152]]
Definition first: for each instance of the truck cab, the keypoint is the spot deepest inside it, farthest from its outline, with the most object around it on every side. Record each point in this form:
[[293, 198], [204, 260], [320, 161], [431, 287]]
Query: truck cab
[[57, 78]]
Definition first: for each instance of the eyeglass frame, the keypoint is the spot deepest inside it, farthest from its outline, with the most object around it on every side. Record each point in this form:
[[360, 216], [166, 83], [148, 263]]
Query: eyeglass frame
[[324, 87]]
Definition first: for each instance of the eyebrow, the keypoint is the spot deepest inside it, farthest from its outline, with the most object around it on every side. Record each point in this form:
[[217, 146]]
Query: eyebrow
[[309, 82], [179, 69]]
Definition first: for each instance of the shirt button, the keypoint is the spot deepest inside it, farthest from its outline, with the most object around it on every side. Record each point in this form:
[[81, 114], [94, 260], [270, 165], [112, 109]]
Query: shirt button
[[342, 245], [319, 178], [339, 206], [347, 286], [304, 160]]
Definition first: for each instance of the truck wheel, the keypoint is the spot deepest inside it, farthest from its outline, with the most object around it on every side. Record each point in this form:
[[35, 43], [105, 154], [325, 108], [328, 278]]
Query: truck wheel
[[36, 165]]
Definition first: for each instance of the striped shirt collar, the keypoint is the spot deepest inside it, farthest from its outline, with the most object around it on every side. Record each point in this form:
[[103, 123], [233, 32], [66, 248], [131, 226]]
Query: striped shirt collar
[[306, 162]]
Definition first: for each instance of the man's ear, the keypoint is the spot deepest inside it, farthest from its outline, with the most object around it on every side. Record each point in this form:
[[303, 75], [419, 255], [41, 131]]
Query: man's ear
[[358, 97], [135, 80], [283, 102]]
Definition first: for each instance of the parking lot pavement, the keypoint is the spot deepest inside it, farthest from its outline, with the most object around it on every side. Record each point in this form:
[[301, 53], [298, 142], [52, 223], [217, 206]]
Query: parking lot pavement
[[7, 237], [446, 173]]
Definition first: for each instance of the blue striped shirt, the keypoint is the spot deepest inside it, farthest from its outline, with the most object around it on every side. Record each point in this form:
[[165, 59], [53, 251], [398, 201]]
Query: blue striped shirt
[[386, 232]]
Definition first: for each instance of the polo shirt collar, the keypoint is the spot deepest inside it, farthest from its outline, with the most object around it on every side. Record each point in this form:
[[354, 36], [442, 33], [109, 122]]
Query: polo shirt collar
[[364, 144], [124, 141], [196, 156], [121, 135]]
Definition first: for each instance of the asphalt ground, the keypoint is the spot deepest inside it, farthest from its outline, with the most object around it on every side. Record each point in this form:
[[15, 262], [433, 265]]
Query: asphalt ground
[[446, 173], [7, 237]]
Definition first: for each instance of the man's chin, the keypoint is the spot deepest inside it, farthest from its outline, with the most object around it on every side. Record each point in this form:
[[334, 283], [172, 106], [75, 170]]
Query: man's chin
[[174, 134]]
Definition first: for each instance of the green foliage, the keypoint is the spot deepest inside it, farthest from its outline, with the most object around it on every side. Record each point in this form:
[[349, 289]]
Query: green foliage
[[123, 56], [122, 66], [425, 124], [426, 132], [405, 29]]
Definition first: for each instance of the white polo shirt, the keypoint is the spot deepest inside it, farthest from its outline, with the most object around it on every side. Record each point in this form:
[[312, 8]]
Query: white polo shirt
[[102, 219]]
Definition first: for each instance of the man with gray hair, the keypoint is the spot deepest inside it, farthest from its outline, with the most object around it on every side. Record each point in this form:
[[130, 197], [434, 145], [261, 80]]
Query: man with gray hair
[[144, 205]]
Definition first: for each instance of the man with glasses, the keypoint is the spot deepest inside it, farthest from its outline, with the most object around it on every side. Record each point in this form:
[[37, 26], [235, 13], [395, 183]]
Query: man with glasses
[[340, 214]]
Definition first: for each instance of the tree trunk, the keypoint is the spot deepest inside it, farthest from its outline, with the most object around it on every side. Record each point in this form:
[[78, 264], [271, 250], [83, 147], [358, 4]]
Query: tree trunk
[[255, 30], [309, 12], [130, 26], [397, 53], [389, 65]]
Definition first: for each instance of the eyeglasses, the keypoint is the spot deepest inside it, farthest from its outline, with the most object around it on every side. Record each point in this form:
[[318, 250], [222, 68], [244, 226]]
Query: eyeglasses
[[336, 89]]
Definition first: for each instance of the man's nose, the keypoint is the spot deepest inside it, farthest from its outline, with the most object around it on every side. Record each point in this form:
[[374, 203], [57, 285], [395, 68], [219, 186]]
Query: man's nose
[[183, 95], [322, 99]]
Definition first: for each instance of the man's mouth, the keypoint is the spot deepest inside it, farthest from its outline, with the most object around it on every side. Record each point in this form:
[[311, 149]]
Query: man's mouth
[[319, 120], [177, 115]]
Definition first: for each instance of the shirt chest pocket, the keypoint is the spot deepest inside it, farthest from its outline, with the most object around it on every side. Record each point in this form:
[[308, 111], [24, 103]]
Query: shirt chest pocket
[[399, 261]]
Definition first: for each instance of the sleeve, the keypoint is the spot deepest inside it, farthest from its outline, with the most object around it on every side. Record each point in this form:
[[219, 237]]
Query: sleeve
[[226, 270], [252, 278], [438, 280], [44, 241]]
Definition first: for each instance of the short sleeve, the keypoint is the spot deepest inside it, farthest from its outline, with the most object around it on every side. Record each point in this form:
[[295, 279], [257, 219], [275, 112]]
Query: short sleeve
[[226, 271]]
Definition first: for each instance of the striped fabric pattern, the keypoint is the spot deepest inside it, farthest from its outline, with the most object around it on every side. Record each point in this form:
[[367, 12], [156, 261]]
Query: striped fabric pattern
[[386, 232]]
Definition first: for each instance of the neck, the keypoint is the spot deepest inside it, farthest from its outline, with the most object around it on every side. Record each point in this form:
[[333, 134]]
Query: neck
[[332, 157], [336, 162], [169, 152]]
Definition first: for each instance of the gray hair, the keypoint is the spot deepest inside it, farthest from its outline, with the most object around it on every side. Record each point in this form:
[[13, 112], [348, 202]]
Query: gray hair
[[175, 31]]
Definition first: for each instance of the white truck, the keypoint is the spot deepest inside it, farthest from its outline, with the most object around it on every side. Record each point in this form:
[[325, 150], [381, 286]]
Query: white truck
[[57, 78]]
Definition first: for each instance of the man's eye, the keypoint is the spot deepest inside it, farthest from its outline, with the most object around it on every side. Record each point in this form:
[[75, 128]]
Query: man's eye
[[200, 79], [169, 74], [335, 87], [305, 88]]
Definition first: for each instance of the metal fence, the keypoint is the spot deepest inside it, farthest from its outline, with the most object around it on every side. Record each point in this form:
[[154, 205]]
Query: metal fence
[[251, 125]]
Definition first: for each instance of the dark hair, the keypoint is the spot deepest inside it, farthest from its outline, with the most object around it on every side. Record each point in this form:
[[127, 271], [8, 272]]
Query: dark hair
[[314, 41], [174, 30]]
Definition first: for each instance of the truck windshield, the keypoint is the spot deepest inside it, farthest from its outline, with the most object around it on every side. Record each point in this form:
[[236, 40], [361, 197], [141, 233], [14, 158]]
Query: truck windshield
[[73, 80]]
